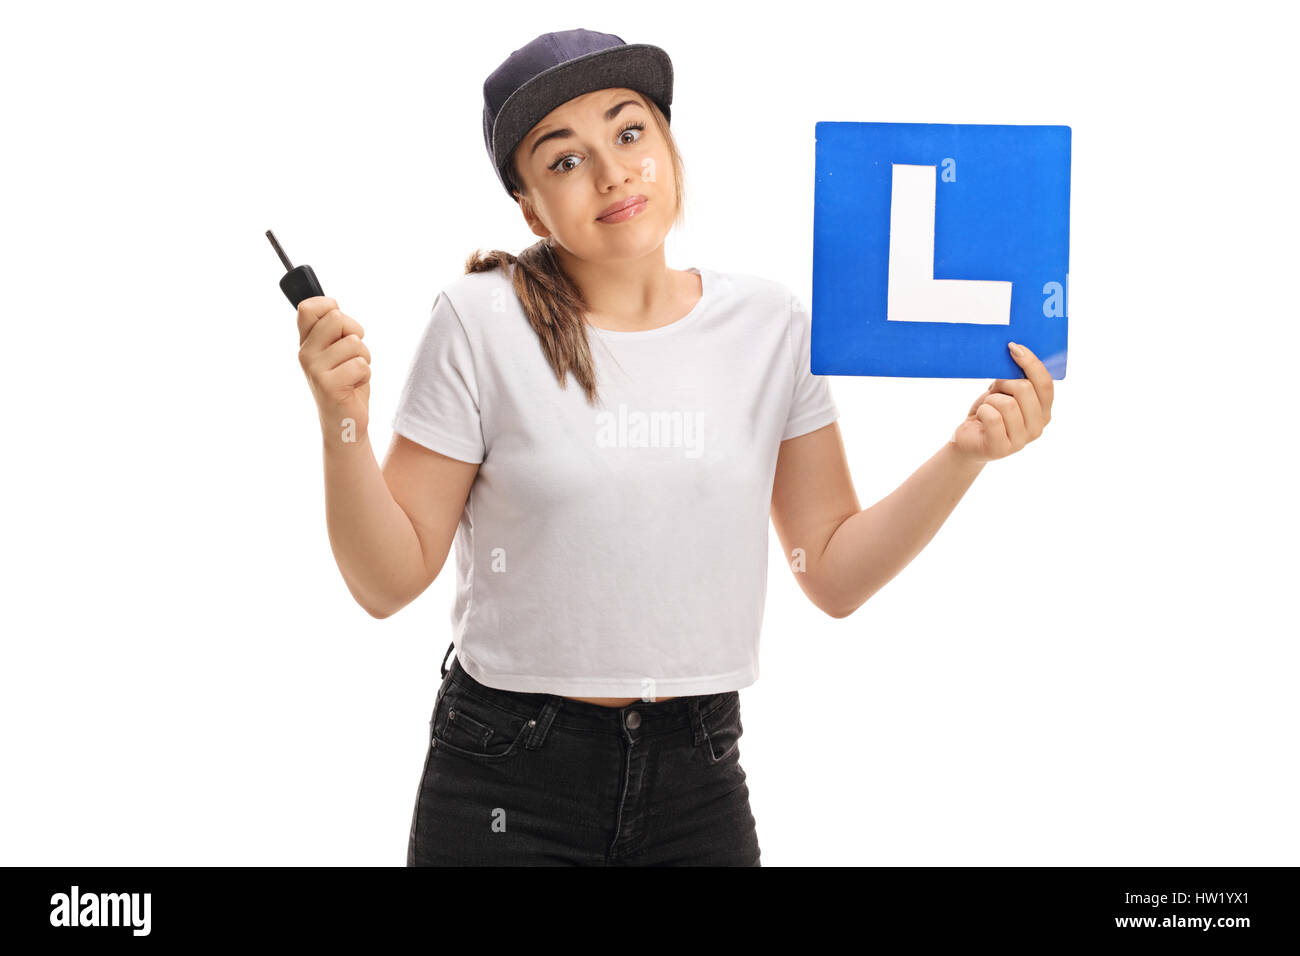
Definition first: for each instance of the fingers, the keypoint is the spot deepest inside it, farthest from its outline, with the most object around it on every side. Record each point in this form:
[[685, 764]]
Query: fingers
[[1022, 392], [1011, 412], [321, 322], [980, 401], [997, 444], [350, 374], [329, 327], [1037, 375], [310, 311], [1013, 422], [345, 349]]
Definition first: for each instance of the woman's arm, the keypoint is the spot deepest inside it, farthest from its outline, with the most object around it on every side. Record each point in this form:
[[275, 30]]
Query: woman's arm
[[851, 558], [845, 553], [391, 530], [374, 542]]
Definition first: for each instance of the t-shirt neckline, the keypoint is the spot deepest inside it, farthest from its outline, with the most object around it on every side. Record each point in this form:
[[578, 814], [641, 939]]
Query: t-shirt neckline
[[706, 296]]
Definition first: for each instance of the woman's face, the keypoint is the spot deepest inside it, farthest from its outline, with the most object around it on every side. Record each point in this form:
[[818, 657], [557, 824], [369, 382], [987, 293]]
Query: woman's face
[[593, 151]]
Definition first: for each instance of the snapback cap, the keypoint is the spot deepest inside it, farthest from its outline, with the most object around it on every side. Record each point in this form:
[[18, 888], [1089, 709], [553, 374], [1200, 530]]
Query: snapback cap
[[553, 69]]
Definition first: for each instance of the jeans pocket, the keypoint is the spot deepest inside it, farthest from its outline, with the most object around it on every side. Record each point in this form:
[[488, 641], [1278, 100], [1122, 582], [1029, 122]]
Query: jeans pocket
[[723, 729], [470, 726]]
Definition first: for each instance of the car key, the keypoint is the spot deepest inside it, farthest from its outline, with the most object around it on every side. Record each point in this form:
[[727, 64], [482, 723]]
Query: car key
[[300, 281]]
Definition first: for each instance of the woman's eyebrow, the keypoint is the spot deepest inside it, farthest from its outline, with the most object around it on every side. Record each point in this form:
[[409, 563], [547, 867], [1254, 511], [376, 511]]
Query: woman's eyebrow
[[565, 133]]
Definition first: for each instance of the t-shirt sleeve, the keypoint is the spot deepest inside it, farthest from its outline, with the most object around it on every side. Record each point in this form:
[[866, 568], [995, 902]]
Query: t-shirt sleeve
[[812, 405], [439, 404]]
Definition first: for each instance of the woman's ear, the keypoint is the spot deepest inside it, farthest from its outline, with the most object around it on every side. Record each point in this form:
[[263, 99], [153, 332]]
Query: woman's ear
[[535, 225]]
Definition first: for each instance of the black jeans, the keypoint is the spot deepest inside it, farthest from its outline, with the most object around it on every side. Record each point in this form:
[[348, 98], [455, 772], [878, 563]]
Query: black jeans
[[521, 779]]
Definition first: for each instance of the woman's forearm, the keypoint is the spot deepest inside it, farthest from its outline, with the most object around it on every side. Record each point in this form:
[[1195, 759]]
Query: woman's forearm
[[870, 547], [374, 542]]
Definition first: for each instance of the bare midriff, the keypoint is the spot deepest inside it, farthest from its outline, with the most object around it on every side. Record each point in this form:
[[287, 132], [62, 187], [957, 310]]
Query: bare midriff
[[617, 701]]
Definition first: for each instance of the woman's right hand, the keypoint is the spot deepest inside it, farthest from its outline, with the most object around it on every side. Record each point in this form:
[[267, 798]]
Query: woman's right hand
[[337, 364]]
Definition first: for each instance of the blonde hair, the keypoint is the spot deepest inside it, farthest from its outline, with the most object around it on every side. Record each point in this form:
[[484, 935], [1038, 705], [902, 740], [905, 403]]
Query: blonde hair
[[553, 304]]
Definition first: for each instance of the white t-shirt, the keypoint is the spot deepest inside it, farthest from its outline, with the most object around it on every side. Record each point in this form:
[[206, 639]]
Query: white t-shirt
[[617, 550]]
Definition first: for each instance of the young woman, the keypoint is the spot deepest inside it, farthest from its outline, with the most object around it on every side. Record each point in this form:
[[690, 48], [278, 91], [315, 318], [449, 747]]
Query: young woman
[[611, 540]]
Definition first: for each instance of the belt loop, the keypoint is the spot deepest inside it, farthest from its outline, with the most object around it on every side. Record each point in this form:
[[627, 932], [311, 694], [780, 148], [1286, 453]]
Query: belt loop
[[542, 723], [445, 668], [696, 722]]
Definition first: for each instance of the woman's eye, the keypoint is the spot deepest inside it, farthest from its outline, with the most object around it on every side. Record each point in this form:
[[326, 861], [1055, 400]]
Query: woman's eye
[[559, 167], [555, 166]]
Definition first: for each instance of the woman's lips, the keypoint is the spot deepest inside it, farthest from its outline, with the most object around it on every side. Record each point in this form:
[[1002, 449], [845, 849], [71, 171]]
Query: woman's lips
[[627, 212]]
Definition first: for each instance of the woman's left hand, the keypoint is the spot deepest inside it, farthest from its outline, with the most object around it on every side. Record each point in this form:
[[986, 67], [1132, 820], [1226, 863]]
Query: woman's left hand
[[1010, 414]]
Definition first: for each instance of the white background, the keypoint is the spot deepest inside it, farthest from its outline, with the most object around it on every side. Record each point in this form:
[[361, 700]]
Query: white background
[[1094, 661]]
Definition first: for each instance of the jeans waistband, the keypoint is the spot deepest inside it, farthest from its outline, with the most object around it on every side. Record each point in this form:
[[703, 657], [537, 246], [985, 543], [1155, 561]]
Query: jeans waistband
[[653, 716]]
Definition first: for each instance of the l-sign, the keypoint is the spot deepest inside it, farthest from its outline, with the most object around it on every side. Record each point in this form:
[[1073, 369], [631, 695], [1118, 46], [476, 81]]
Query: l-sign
[[915, 295], [934, 245]]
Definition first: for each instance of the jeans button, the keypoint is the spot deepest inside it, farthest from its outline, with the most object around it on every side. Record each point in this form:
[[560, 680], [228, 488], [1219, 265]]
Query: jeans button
[[633, 720]]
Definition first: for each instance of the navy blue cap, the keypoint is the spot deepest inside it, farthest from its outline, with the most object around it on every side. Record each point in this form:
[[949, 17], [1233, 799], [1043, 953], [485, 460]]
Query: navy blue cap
[[553, 69]]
